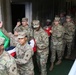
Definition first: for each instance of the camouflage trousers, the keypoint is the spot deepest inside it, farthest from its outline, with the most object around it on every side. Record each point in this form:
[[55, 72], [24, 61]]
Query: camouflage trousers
[[42, 60], [69, 47], [3, 72], [25, 71], [56, 49]]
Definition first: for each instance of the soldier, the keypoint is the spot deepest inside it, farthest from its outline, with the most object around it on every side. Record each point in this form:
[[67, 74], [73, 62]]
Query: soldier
[[62, 18], [25, 27], [42, 43], [7, 62], [69, 34], [48, 22], [18, 26], [56, 42], [24, 54]]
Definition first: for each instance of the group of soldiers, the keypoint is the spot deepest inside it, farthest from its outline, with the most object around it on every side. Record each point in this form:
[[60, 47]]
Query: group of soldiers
[[22, 64], [62, 36]]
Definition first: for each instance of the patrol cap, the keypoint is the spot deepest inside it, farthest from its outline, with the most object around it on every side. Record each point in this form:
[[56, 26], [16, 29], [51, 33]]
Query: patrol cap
[[2, 40], [21, 35], [24, 19], [36, 23], [68, 17], [57, 19], [48, 20]]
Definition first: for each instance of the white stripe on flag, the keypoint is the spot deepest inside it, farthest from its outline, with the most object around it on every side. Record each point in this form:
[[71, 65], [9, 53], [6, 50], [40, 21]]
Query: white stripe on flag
[[32, 43], [11, 51]]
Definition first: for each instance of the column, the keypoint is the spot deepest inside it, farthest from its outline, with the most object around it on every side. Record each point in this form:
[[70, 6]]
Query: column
[[8, 16], [28, 12], [0, 10]]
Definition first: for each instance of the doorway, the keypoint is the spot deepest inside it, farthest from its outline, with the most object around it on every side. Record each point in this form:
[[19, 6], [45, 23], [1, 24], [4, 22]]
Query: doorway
[[18, 12]]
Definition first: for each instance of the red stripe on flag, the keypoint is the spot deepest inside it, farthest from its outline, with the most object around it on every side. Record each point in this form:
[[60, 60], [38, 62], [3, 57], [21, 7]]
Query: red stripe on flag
[[13, 54]]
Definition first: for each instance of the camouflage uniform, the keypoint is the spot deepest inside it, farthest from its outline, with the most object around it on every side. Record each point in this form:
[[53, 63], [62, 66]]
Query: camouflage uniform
[[68, 38], [62, 20], [27, 30], [42, 42], [13, 40], [7, 63], [18, 28], [57, 41], [24, 58]]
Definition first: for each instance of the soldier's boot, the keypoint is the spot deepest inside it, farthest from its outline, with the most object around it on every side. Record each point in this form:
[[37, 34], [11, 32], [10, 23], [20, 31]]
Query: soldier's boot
[[58, 62], [51, 67], [67, 57]]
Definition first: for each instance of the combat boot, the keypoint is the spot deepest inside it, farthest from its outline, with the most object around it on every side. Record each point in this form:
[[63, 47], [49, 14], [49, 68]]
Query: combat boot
[[67, 57], [51, 67], [58, 62]]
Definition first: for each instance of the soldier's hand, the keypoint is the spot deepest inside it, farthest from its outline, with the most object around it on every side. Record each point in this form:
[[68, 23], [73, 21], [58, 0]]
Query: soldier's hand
[[9, 32], [50, 31], [18, 23], [1, 24], [15, 33]]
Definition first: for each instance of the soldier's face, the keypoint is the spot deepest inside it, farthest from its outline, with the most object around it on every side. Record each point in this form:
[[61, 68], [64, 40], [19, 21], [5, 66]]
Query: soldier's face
[[24, 23], [61, 15], [37, 29], [68, 19], [22, 41], [56, 22]]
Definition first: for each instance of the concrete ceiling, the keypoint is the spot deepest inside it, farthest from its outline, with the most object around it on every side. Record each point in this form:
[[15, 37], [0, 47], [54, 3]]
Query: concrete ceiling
[[36, 0], [40, 1]]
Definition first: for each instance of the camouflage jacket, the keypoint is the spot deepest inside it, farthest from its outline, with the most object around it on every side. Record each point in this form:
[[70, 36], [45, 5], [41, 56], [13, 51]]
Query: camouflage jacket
[[7, 65], [24, 57], [69, 30], [41, 39], [13, 40], [27, 30], [57, 34], [18, 28]]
